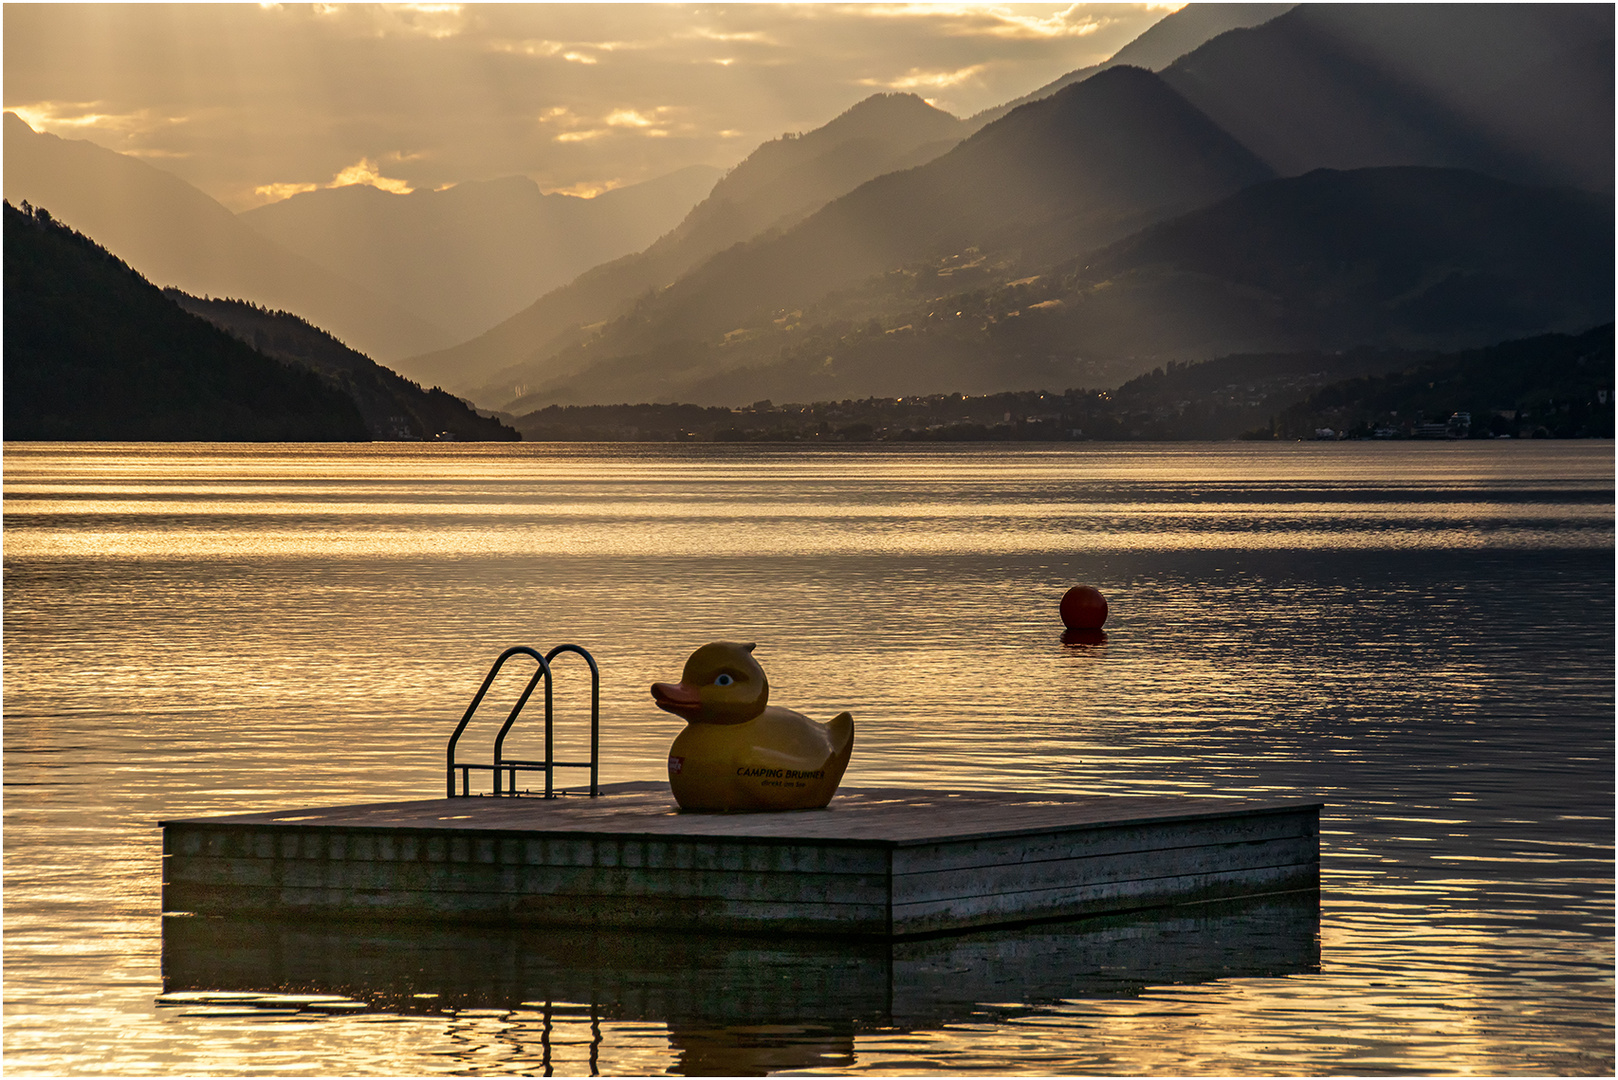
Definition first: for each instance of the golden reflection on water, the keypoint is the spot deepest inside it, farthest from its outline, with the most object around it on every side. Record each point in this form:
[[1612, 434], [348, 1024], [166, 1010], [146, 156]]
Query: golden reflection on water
[[1421, 635]]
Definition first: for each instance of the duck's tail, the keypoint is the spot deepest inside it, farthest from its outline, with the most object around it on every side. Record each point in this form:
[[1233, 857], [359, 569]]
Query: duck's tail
[[841, 729]]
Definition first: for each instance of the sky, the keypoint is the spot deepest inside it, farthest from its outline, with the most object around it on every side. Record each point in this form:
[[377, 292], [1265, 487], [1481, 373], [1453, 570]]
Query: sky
[[253, 103]]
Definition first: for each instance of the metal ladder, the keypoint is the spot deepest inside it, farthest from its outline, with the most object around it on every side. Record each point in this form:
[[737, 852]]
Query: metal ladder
[[508, 768]]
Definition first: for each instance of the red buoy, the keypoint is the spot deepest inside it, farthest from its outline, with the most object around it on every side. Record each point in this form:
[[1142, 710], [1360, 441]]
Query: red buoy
[[1084, 608]]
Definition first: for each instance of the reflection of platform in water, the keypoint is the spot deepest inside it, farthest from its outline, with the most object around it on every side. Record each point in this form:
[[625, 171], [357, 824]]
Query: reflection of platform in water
[[706, 987], [876, 863]]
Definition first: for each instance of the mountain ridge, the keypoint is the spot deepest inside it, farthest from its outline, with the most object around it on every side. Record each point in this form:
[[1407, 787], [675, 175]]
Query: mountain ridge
[[1157, 46], [1354, 80], [1408, 257], [881, 132], [393, 407], [1079, 169], [469, 256], [176, 235], [1519, 91], [553, 322]]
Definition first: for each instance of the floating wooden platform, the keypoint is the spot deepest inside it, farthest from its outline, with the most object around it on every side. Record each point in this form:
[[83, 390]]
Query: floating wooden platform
[[876, 863]]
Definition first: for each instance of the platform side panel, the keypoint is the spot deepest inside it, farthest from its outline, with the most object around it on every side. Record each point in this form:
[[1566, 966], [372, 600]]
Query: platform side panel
[[1103, 899], [554, 881], [1082, 841], [1182, 863], [405, 878], [1102, 869]]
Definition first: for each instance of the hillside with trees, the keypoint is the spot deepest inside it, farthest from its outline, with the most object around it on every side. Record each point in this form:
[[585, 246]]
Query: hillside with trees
[[1553, 386], [93, 351], [393, 407], [1549, 386]]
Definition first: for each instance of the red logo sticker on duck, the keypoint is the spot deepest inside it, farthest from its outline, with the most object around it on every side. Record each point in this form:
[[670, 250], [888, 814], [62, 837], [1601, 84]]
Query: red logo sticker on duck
[[676, 764]]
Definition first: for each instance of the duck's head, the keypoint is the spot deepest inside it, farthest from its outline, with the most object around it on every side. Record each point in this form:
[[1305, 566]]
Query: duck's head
[[721, 684]]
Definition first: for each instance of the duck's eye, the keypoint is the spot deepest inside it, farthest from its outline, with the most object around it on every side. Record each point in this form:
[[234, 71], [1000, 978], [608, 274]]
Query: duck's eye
[[723, 680]]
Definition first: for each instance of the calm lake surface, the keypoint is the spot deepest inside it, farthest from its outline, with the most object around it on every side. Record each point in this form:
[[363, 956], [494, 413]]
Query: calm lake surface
[[1420, 634]]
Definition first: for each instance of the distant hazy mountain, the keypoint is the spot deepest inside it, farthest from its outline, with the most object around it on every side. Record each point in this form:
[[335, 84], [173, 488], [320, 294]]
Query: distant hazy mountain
[[1082, 168], [469, 256], [1164, 42], [1406, 257], [780, 183], [392, 406], [176, 235], [93, 351], [1520, 91]]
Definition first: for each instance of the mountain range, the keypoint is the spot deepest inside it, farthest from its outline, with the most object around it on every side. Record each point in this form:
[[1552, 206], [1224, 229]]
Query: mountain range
[[1052, 182], [1240, 179], [1404, 257], [392, 275], [1021, 192], [393, 407], [779, 184], [175, 235]]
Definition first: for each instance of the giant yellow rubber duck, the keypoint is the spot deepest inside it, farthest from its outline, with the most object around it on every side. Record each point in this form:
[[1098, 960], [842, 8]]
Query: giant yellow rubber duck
[[739, 752]]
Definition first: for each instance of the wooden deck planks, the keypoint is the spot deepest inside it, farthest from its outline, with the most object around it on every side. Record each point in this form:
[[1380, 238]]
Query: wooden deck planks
[[899, 815], [879, 862]]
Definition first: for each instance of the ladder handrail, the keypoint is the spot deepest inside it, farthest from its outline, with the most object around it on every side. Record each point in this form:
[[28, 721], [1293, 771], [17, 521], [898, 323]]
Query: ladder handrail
[[595, 720], [543, 672], [500, 762]]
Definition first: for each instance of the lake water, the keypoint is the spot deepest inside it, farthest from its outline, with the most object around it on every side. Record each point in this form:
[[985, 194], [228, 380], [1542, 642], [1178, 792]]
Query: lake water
[[1420, 634]]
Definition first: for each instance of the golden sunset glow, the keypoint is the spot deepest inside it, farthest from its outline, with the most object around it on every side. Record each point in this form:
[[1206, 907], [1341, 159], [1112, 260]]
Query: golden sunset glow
[[235, 101], [1175, 439]]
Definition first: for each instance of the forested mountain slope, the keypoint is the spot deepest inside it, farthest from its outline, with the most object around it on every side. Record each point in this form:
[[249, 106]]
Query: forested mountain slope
[[93, 351], [393, 407]]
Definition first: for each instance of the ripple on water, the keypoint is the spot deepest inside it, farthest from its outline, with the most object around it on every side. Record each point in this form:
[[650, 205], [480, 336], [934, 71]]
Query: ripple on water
[[1422, 636]]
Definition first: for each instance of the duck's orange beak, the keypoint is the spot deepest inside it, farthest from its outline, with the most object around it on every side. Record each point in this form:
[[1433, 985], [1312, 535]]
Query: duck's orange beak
[[676, 698]]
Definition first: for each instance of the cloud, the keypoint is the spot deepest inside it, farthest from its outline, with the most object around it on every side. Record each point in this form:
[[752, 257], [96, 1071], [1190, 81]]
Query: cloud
[[628, 118], [365, 171], [277, 192], [589, 189], [927, 80], [995, 20], [751, 37], [79, 118]]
